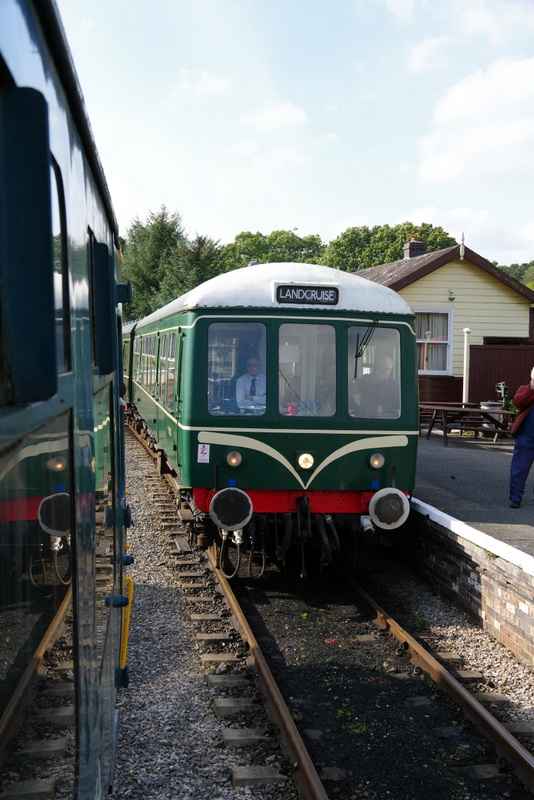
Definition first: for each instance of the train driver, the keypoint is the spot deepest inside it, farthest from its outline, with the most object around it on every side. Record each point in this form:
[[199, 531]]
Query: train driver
[[377, 394], [250, 388]]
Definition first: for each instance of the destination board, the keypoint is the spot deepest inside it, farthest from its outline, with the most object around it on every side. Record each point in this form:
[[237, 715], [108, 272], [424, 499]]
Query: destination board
[[309, 295]]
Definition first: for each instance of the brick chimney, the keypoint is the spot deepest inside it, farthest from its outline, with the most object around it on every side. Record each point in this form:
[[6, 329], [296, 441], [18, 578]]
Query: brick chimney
[[415, 247]]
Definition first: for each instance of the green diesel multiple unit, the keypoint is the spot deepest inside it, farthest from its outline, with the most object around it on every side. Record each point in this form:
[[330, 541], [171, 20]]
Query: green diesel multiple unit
[[62, 482], [263, 391]]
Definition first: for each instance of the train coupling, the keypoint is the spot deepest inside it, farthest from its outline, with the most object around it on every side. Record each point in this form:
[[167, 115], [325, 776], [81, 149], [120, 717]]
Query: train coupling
[[366, 525]]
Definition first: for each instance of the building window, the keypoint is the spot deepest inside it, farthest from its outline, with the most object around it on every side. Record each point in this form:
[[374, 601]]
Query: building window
[[433, 331]]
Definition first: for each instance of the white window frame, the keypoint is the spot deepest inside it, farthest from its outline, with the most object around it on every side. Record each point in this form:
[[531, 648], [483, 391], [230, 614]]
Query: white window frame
[[450, 314]]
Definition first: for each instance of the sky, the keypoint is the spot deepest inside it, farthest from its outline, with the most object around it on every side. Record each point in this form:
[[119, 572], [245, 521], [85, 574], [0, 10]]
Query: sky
[[315, 115]]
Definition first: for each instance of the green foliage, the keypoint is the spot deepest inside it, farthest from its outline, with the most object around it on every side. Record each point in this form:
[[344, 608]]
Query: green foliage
[[363, 247], [275, 247], [521, 272], [57, 245], [192, 264], [149, 250], [528, 275], [162, 264]]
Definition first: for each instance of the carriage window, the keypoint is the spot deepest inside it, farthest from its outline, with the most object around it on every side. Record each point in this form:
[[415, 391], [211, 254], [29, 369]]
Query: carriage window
[[162, 365], [61, 303], [236, 368], [374, 372], [138, 350], [307, 370], [171, 360], [151, 365]]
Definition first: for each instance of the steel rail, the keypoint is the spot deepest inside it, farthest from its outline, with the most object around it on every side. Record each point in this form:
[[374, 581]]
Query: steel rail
[[305, 776], [505, 743], [10, 719]]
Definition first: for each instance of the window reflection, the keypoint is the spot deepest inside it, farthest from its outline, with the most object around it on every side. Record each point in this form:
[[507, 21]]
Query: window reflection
[[307, 370], [60, 274], [35, 541], [374, 372]]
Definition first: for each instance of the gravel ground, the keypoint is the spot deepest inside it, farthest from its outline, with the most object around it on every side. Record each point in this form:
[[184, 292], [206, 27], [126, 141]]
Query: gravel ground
[[358, 701], [456, 632], [170, 742]]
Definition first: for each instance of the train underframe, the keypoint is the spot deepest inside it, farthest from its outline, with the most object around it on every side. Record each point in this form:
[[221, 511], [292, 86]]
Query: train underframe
[[246, 541], [252, 528]]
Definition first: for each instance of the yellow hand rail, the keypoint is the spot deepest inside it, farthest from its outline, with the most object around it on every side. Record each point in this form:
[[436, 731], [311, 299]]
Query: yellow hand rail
[[127, 588]]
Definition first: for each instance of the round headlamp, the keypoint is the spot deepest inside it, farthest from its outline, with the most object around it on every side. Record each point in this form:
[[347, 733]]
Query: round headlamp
[[57, 463], [305, 461], [234, 458], [376, 460]]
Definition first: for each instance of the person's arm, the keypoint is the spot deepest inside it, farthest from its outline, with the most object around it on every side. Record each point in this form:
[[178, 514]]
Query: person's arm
[[240, 391], [259, 397], [524, 396]]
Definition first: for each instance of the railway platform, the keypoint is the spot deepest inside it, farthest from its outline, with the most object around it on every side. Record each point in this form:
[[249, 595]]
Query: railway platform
[[467, 483]]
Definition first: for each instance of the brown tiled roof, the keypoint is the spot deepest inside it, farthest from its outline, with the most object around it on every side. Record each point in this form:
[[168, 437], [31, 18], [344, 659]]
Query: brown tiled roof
[[399, 274]]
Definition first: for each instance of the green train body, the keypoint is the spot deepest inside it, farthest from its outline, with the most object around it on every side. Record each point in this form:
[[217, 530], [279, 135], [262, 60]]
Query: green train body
[[62, 483], [320, 435]]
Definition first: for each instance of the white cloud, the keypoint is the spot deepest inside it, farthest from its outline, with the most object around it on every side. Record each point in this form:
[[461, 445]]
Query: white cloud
[[455, 221], [325, 139], [402, 9], [279, 158], [341, 225], [197, 83], [495, 21], [88, 25], [430, 54], [244, 148], [484, 233], [483, 127], [274, 116]]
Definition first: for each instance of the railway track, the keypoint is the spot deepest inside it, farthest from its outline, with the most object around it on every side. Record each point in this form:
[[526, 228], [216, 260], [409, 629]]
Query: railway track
[[511, 753], [224, 652]]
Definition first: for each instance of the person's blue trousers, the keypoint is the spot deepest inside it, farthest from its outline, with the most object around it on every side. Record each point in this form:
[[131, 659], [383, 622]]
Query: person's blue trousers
[[522, 460]]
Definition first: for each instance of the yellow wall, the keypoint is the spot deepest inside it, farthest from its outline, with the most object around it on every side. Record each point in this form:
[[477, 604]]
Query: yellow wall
[[482, 303]]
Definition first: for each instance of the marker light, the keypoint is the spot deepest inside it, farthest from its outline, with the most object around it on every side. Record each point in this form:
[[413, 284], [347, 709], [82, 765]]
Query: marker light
[[305, 461], [377, 460], [234, 458], [57, 463]]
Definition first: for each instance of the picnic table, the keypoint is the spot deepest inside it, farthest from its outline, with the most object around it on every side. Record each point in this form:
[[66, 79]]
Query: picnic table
[[464, 417]]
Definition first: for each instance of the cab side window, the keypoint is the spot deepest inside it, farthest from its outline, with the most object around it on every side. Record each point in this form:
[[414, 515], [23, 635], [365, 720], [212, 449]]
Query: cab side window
[[237, 379]]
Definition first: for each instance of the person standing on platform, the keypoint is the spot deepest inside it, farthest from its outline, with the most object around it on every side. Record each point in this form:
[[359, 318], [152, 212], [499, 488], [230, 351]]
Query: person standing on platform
[[523, 430]]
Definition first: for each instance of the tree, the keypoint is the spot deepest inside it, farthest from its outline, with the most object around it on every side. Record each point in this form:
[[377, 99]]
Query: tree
[[150, 250], [192, 264], [276, 246], [528, 275], [521, 272], [363, 247]]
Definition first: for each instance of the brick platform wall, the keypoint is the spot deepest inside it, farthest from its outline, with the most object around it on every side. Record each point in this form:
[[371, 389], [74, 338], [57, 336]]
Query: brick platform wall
[[494, 592]]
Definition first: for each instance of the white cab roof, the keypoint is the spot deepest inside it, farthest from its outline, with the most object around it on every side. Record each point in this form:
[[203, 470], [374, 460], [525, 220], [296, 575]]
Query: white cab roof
[[256, 286]]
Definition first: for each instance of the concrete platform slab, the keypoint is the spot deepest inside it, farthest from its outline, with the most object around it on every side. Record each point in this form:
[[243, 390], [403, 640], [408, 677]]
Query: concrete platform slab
[[469, 481]]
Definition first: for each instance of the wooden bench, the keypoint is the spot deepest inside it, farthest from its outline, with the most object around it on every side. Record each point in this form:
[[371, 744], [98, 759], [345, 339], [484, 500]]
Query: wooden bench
[[464, 417]]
